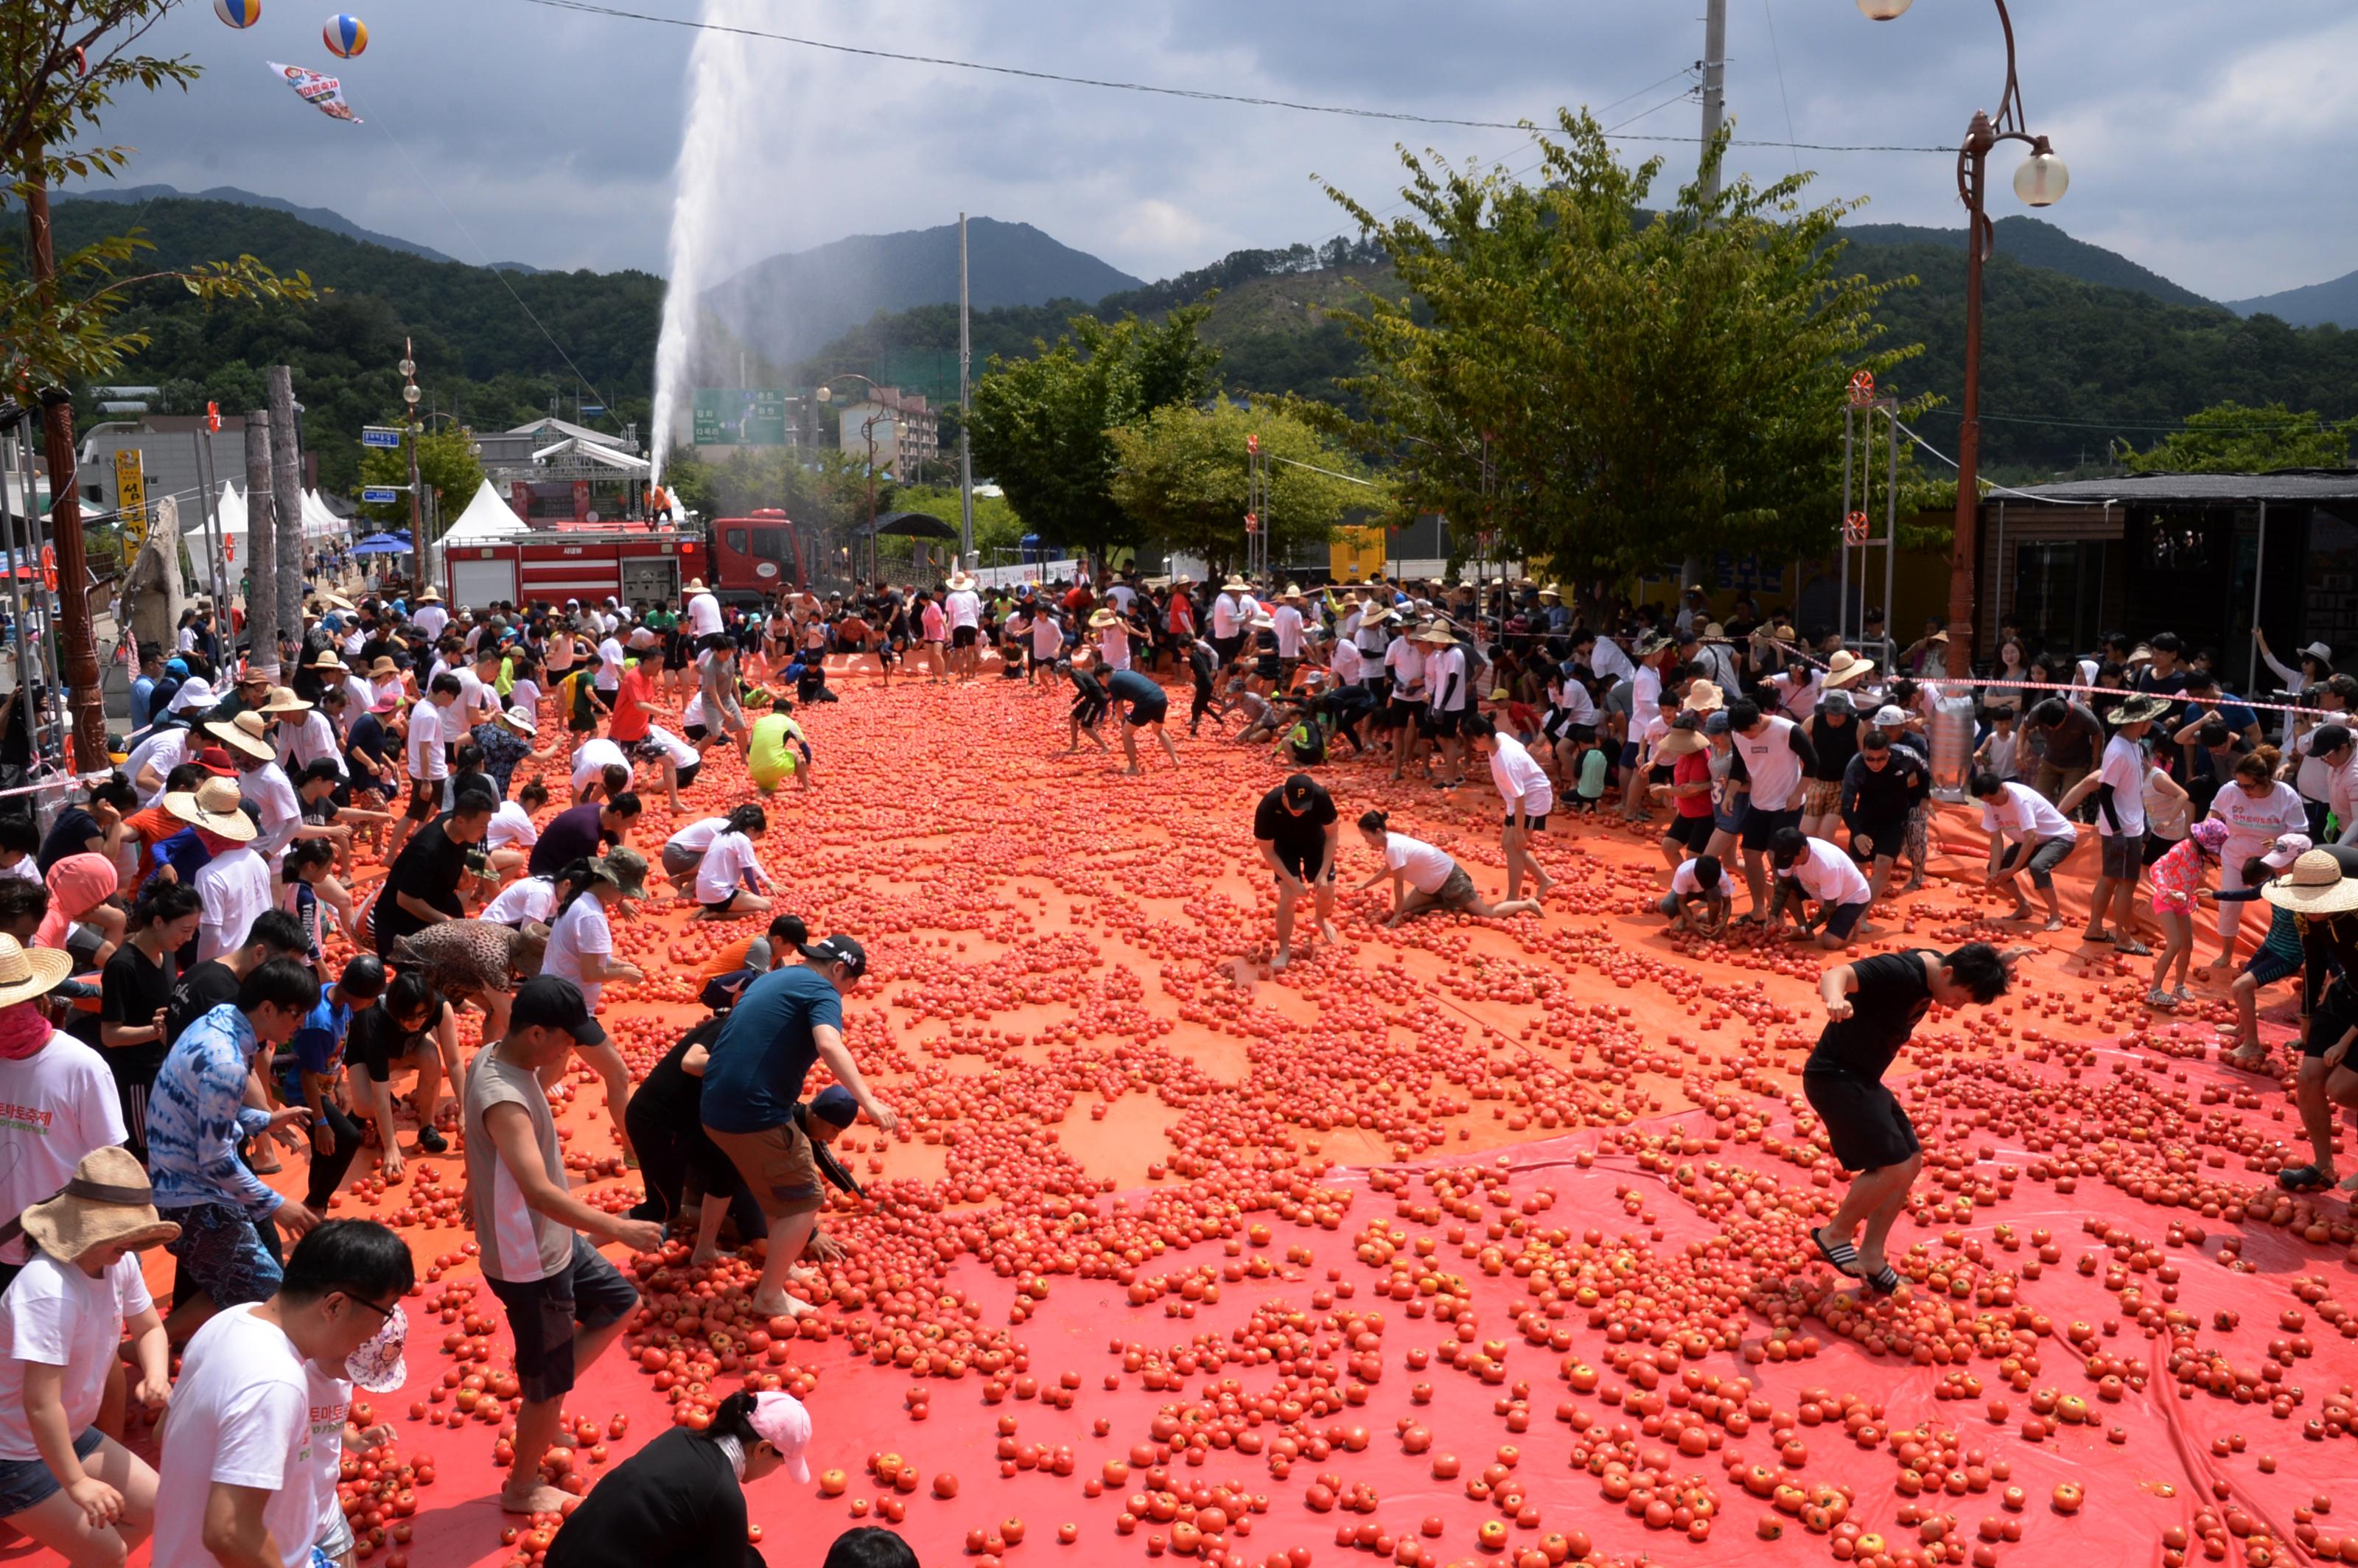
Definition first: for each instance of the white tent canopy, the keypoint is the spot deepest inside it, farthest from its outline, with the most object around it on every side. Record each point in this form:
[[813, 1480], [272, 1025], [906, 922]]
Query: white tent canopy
[[197, 528], [488, 517], [319, 523]]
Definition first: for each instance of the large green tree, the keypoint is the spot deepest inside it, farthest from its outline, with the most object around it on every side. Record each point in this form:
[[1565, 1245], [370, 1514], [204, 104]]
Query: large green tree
[[1042, 428], [446, 467], [1181, 477], [1607, 388], [2228, 437]]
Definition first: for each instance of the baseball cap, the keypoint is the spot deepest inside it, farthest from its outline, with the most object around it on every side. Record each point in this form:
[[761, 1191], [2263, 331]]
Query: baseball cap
[[785, 1426], [2289, 847], [545, 1002], [838, 950], [1300, 791], [1717, 723], [835, 1106], [1890, 715]]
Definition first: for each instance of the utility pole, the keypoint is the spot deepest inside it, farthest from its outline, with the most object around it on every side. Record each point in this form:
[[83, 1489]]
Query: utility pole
[[1715, 82], [286, 495], [76, 644], [260, 552], [418, 565], [966, 454]]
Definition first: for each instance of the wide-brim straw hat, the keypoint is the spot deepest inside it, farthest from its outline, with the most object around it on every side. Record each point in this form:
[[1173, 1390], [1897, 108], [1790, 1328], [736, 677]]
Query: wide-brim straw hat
[[214, 807], [960, 582], [384, 667], [1103, 619], [1682, 744], [1292, 591], [696, 585], [328, 661], [1552, 591], [520, 718], [431, 596], [1704, 697], [245, 733], [284, 700], [1261, 624], [1440, 636], [1236, 585], [1376, 615], [27, 972], [1846, 668], [2315, 885], [334, 601], [2138, 709], [109, 1201]]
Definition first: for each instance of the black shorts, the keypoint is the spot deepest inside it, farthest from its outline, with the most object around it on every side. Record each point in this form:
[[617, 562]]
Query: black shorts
[[2156, 847], [1265, 666], [1446, 722], [543, 1315], [1307, 867], [1888, 836], [688, 774], [1228, 648], [695, 732], [723, 906], [425, 800], [1864, 1120], [1533, 824], [2336, 1015], [1088, 710], [1843, 919], [964, 636], [1693, 832], [1759, 825], [1144, 711]]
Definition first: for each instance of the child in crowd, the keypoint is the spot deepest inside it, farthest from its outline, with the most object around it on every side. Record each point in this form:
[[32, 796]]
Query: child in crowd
[[2000, 751]]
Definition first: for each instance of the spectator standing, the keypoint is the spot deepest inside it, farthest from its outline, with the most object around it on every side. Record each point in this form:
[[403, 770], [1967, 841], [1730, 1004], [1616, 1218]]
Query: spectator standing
[[62, 1099]]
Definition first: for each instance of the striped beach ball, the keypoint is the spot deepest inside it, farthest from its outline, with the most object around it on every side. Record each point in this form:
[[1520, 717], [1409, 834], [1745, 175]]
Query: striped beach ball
[[346, 36], [238, 13]]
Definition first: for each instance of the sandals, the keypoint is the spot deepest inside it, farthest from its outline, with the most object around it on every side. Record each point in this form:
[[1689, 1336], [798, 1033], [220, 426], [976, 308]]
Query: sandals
[[2132, 948], [2303, 1179], [1884, 1280], [2160, 998], [1842, 1255]]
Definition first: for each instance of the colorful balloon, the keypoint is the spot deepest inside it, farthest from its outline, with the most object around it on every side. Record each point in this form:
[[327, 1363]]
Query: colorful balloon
[[238, 13], [346, 36]]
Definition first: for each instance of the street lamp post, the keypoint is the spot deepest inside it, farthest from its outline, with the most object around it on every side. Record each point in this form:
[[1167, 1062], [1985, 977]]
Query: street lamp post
[[409, 396], [2039, 182], [825, 392]]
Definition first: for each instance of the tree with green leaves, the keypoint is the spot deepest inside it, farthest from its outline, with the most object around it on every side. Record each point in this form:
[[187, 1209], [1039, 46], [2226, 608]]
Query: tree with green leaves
[[1181, 477], [1042, 428], [445, 467], [1607, 388], [2228, 437]]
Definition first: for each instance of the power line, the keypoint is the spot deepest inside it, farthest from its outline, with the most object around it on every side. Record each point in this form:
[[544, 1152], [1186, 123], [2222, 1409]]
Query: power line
[[1200, 95], [2132, 425]]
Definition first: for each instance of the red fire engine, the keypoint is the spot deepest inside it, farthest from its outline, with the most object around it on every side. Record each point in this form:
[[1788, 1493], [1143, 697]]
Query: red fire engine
[[761, 553], [550, 565]]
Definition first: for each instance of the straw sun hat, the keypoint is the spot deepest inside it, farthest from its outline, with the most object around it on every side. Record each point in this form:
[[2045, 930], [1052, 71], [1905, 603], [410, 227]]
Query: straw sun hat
[[211, 805], [2315, 885], [27, 972], [248, 733], [108, 1202], [1845, 668]]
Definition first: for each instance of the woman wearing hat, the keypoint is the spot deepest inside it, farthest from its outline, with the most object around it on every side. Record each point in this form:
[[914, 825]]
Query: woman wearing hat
[[2321, 888], [81, 1494], [2316, 663]]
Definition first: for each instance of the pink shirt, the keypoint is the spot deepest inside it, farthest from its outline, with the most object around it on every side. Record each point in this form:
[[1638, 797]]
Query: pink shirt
[[2176, 876], [933, 619]]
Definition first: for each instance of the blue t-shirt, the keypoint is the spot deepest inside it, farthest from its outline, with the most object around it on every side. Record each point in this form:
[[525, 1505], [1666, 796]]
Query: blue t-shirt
[[142, 691], [185, 853], [319, 1039], [765, 1050]]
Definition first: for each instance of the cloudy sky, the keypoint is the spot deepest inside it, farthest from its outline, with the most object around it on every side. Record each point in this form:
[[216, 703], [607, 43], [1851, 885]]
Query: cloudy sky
[[2208, 142]]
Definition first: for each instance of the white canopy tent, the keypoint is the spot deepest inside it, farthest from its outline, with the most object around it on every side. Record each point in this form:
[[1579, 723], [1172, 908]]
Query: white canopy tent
[[488, 517], [319, 523], [197, 528]]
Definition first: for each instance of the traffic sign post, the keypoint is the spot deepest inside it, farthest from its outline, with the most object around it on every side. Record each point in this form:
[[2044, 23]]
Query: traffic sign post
[[382, 494], [382, 438]]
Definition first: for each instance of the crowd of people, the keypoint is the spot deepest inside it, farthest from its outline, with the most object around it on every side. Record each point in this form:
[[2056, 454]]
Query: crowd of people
[[177, 1014]]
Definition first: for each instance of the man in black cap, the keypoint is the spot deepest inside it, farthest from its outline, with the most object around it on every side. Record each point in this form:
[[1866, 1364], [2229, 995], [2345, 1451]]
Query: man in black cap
[[786, 1020], [1296, 825], [565, 1303]]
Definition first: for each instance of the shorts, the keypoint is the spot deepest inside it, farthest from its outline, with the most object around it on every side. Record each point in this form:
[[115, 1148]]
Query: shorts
[[1265, 666], [2336, 1015], [777, 1164], [1693, 832], [2123, 856], [542, 1315], [1228, 648], [1760, 826], [2267, 966], [688, 774], [694, 731], [1143, 711], [1843, 919], [25, 1482], [1458, 892], [1309, 867], [1446, 722], [678, 861], [1819, 797], [335, 1538], [1864, 1120], [425, 800], [1730, 819], [1534, 821], [963, 636], [1887, 836], [2040, 860], [223, 1251], [723, 906]]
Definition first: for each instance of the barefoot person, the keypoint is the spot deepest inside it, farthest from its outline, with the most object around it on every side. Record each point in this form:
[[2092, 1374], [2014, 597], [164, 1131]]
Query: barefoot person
[[1523, 784], [2118, 786], [788, 1020], [1698, 900], [1144, 705], [1872, 1007], [1811, 870], [565, 1303], [1297, 829], [1425, 878], [2026, 834], [2279, 957]]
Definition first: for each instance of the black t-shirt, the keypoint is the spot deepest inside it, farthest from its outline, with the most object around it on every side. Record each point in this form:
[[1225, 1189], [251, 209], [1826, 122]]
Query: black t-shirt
[[374, 1042], [1132, 686], [428, 870], [1296, 837], [670, 1093], [2329, 943], [675, 1500], [368, 740], [202, 987], [571, 835], [130, 989], [1893, 993], [71, 836], [1085, 682]]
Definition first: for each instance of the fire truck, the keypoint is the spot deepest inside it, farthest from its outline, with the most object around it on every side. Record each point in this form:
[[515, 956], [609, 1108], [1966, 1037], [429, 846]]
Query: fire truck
[[588, 562], [761, 553]]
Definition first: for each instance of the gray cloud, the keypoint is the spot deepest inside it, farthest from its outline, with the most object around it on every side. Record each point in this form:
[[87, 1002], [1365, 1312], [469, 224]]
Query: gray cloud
[[2199, 135]]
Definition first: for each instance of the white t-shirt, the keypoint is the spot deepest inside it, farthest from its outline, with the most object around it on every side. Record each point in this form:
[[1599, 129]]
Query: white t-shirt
[[527, 898], [610, 666], [1114, 644], [703, 615], [273, 799], [681, 753], [1775, 767], [2124, 769], [1288, 622], [2252, 823], [430, 619], [233, 887], [428, 760], [167, 748], [1427, 867], [1226, 612], [1645, 688], [58, 1316], [725, 862], [2025, 814], [1683, 883], [578, 932], [1609, 658], [511, 824], [1047, 635], [1444, 681], [1405, 660], [594, 756], [56, 1106], [330, 1406], [1122, 595], [1516, 775], [965, 608], [698, 835], [242, 1416], [313, 740], [1827, 873], [1350, 666]]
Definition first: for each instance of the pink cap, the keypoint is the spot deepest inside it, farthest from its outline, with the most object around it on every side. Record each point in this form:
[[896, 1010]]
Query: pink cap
[[785, 1426]]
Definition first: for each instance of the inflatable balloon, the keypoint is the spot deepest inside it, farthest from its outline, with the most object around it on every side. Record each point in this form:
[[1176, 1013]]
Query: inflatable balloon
[[346, 36], [774, 755], [238, 13]]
